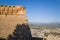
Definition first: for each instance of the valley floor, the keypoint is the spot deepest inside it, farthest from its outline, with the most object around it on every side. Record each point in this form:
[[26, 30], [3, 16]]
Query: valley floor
[[49, 34]]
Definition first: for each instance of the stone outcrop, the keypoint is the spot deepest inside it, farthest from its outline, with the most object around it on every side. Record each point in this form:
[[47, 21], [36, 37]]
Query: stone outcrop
[[10, 16]]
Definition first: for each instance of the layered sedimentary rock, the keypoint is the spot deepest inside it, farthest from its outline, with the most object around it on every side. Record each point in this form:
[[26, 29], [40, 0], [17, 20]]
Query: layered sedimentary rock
[[10, 16]]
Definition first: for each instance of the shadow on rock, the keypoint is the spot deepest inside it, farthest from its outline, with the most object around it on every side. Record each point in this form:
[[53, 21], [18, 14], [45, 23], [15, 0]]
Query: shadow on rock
[[36, 38], [2, 39], [22, 32]]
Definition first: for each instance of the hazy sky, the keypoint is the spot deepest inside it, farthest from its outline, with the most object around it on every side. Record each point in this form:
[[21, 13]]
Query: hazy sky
[[38, 10]]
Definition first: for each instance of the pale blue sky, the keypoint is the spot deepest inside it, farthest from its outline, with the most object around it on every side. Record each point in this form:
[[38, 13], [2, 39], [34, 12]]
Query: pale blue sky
[[38, 10]]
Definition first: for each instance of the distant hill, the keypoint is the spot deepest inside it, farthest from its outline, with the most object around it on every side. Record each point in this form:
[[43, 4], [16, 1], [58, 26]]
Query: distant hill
[[52, 24]]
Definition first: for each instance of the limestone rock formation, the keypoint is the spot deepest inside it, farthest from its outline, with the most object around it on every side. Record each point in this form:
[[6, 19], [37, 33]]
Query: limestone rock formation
[[10, 16]]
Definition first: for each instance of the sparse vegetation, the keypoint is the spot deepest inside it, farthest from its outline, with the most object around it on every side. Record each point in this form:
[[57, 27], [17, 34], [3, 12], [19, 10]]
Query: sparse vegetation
[[46, 34], [50, 31]]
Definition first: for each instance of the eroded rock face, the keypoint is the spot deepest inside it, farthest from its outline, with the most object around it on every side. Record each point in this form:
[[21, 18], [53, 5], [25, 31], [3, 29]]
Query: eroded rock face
[[9, 10], [10, 16]]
